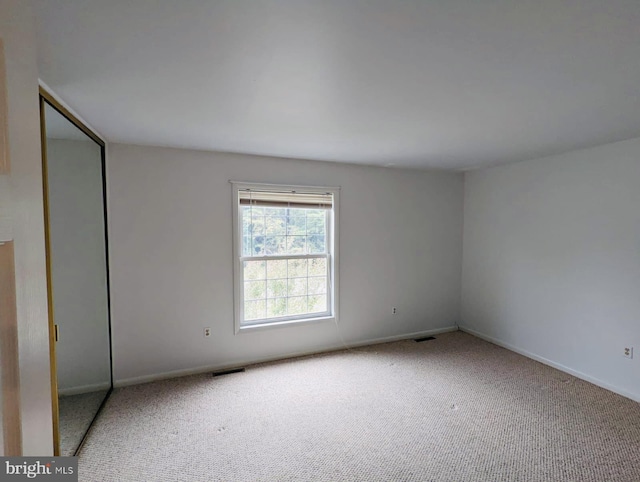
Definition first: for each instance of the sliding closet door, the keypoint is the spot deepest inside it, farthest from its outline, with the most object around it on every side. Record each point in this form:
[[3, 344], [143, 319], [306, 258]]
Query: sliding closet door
[[78, 276]]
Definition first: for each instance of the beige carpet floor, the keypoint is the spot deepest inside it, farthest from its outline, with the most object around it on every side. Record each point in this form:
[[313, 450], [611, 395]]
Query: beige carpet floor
[[451, 409], [76, 414]]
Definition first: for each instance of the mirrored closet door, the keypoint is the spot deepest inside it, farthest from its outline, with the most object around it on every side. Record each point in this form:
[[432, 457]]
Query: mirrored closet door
[[78, 280]]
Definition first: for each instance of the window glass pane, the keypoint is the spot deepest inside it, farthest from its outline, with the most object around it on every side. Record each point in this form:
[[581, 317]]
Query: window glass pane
[[274, 245], [317, 285], [255, 310], [254, 211], [297, 223], [273, 211], [317, 304], [276, 268], [275, 225], [257, 246], [246, 224], [316, 221], [254, 270], [276, 307], [296, 244], [276, 288], [258, 226], [298, 305], [246, 246], [318, 267], [315, 244], [298, 212], [256, 222], [255, 290], [297, 286], [297, 268]]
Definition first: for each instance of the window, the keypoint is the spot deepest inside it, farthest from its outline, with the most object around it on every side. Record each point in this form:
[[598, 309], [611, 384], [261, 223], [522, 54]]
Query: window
[[285, 240]]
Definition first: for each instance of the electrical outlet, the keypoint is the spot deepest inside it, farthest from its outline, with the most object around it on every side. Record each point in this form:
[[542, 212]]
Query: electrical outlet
[[628, 352], [394, 310], [207, 332]]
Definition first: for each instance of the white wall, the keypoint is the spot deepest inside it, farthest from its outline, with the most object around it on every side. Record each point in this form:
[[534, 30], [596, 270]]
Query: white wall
[[78, 264], [25, 214], [171, 257], [552, 260]]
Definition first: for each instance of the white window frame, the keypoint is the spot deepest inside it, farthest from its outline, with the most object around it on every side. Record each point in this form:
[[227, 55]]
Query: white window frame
[[240, 325]]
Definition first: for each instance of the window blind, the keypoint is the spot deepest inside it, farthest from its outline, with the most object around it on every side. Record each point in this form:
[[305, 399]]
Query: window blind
[[290, 199]]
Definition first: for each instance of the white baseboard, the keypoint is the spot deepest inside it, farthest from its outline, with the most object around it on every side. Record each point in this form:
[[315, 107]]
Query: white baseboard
[[546, 361], [96, 387], [212, 368]]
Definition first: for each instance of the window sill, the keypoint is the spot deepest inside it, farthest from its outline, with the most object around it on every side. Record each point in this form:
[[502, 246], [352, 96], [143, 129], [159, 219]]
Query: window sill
[[280, 324]]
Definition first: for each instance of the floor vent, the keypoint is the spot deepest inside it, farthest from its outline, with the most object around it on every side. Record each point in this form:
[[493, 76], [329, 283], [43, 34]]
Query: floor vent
[[426, 338], [228, 372]]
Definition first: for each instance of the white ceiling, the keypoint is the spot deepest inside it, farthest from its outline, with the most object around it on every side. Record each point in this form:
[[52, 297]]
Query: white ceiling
[[416, 83]]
